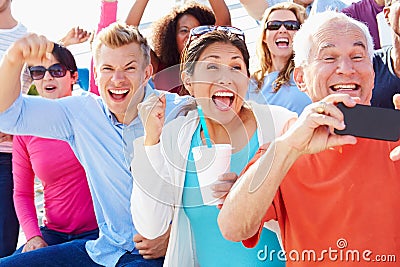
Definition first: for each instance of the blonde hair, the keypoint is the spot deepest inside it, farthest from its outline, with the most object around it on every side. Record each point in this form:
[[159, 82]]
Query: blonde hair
[[263, 53], [118, 34]]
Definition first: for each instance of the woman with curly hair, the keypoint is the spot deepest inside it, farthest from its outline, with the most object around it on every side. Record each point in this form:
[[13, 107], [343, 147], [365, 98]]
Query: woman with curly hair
[[273, 82], [170, 34]]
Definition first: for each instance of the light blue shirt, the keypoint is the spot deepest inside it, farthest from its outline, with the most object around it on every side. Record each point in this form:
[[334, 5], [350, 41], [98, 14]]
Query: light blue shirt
[[104, 147], [288, 96]]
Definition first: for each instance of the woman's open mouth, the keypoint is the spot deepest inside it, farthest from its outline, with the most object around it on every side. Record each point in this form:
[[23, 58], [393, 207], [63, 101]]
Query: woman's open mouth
[[223, 100]]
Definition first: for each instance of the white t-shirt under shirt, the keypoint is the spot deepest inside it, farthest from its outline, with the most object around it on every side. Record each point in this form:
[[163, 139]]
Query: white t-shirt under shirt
[[7, 37]]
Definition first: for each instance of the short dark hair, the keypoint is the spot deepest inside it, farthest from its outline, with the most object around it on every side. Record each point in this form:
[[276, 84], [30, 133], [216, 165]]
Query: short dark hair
[[65, 57]]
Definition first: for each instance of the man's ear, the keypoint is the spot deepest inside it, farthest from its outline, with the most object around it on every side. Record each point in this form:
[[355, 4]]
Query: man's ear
[[95, 75], [187, 81], [148, 72], [298, 74]]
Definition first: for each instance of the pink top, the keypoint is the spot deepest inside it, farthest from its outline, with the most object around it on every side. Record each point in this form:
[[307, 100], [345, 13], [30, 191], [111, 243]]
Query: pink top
[[67, 201], [108, 15]]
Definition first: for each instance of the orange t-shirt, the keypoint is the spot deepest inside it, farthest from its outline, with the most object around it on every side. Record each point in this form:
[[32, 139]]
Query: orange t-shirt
[[340, 207]]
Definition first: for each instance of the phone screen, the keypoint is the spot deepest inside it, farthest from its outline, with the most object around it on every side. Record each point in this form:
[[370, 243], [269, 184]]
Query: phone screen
[[371, 122]]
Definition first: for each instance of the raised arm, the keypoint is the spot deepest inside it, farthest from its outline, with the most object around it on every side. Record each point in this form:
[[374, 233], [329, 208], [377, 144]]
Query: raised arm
[[248, 201], [108, 15], [136, 13], [221, 11], [255, 8], [29, 48]]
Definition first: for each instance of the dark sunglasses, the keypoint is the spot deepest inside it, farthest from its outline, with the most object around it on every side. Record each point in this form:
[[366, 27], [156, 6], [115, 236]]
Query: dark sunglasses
[[290, 25], [200, 30], [56, 71]]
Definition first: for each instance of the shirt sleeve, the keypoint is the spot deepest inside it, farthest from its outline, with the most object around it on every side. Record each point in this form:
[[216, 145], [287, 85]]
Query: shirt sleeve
[[32, 115], [24, 195]]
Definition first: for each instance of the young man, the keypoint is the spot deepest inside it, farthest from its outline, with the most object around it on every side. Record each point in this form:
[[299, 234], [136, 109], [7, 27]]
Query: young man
[[101, 131], [10, 30], [387, 61], [335, 197]]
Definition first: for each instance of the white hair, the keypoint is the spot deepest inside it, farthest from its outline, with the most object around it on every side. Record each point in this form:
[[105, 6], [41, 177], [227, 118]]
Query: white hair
[[303, 39]]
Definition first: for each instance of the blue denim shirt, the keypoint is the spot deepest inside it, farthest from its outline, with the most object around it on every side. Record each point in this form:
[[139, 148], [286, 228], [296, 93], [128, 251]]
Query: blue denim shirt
[[104, 147]]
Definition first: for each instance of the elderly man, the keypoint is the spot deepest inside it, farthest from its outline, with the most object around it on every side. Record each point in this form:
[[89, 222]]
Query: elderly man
[[335, 197], [101, 131]]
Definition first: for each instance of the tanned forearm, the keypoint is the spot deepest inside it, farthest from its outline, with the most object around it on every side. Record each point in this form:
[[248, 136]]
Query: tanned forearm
[[135, 14], [221, 11], [251, 196]]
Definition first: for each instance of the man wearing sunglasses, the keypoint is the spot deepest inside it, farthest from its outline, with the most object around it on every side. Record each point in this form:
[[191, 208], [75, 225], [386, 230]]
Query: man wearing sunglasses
[[10, 30], [101, 131]]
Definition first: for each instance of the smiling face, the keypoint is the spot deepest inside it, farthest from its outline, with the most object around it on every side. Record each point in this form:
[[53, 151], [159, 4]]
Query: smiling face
[[121, 74], [183, 27], [53, 88], [279, 42], [337, 65], [219, 81]]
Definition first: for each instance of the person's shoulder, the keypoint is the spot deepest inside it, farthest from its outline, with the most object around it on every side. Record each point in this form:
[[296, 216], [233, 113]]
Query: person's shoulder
[[274, 110]]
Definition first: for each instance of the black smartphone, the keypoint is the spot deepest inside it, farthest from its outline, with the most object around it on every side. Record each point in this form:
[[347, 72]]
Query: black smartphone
[[371, 122]]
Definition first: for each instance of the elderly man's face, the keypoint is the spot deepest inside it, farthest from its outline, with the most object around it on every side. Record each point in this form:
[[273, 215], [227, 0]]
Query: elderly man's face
[[338, 63]]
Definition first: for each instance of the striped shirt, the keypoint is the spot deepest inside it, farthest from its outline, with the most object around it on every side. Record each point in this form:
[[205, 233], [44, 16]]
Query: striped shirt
[[7, 37]]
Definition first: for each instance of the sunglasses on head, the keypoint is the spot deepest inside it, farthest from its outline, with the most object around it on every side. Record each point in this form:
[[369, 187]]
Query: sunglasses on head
[[57, 70], [200, 30], [290, 25]]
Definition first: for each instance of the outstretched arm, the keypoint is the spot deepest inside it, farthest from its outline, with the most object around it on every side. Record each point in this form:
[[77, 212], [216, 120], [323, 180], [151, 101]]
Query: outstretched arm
[[249, 200], [255, 8], [221, 11], [135, 14], [27, 49]]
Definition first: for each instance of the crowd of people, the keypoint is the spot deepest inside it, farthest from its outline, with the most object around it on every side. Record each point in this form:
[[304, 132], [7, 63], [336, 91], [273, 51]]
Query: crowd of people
[[122, 183]]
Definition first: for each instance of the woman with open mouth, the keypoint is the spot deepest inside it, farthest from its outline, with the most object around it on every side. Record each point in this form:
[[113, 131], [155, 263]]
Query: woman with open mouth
[[272, 82], [215, 71]]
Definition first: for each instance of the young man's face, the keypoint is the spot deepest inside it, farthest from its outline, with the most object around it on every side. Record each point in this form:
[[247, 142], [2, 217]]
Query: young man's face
[[338, 65], [121, 75]]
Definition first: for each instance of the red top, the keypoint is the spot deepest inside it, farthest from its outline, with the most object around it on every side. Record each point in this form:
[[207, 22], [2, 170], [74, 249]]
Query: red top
[[348, 195]]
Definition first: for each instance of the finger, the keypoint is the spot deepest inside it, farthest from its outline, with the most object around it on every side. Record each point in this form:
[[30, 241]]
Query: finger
[[142, 246], [138, 238], [340, 140], [228, 177], [341, 98], [317, 120], [396, 101], [222, 187]]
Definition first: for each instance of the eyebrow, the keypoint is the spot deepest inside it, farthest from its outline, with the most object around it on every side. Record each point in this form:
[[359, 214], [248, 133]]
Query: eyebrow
[[329, 45], [218, 57]]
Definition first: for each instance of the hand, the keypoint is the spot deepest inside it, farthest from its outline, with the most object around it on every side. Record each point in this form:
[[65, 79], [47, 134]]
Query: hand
[[223, 186], [75, 36], [152, 113], [313, 131], [5, 137], [152, 249], [34, 243], [395, 153], [30, 49]]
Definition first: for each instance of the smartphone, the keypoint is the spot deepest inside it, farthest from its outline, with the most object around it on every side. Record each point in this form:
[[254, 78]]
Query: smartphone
[[371, 122]]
